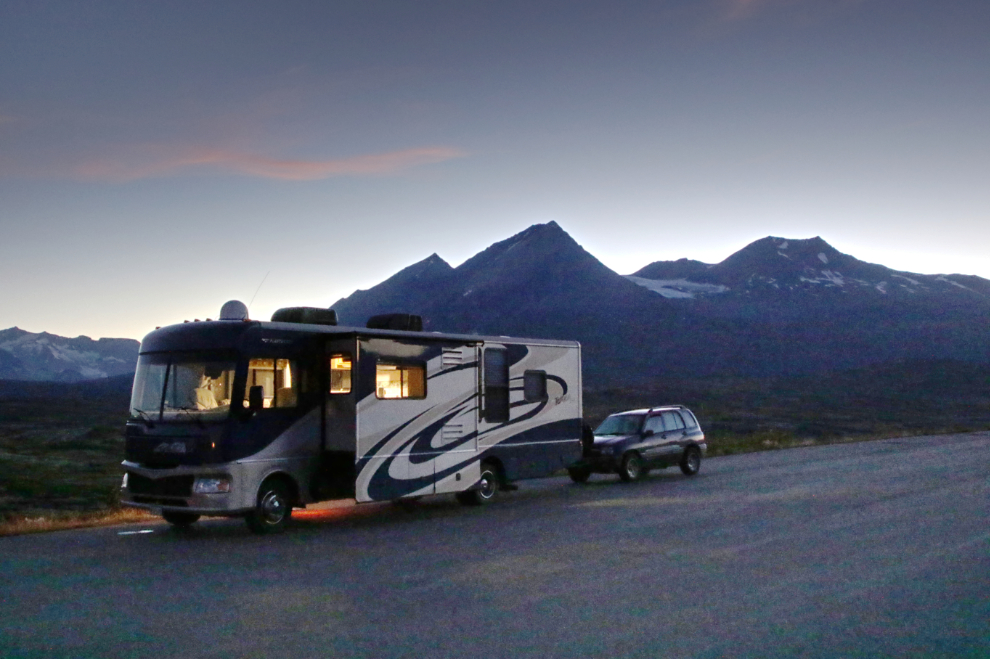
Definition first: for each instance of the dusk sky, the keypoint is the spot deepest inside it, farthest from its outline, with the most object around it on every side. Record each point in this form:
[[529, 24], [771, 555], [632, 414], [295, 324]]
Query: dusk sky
[[159, 159]]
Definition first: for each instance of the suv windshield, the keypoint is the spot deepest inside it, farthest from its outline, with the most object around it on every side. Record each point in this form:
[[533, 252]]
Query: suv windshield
[[620, 424], [174, 386]]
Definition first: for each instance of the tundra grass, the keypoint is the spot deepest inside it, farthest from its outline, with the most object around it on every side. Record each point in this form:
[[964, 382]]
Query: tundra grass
[[60, 520]]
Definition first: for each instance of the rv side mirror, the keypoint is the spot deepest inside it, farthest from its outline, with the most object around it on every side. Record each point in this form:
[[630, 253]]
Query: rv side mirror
[[256, 398]]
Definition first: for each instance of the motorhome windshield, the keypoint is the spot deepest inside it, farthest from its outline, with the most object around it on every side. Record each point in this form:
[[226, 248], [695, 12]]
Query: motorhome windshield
[[620, 424], [175, 386]]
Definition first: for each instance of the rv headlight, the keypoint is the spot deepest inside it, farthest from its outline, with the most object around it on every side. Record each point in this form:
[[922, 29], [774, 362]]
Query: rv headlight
[[217, 485]]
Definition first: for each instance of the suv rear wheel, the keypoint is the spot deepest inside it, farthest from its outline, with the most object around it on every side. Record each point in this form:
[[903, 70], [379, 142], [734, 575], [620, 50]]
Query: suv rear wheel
[[691, 461]]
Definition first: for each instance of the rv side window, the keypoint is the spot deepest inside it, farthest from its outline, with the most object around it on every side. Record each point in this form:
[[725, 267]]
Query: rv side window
[[340, 373], [278, 379], [496, 386], [400, 380], [534, 386]]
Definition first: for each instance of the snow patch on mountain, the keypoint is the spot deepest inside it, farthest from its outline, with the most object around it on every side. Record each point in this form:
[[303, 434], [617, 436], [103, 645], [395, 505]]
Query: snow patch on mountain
[[834, 277], [954, 283], [913, 281], [678, 288], [823, 258]]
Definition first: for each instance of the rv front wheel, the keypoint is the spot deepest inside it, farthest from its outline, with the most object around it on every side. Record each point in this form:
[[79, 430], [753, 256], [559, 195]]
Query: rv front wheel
[[274, 508], [486, 490], [179, 519]]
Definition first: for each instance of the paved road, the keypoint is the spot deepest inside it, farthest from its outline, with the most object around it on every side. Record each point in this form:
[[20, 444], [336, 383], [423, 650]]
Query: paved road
[[860, 550]]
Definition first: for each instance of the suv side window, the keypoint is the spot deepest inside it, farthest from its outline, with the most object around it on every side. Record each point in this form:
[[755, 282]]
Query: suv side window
[[672, 421], [654, 423]]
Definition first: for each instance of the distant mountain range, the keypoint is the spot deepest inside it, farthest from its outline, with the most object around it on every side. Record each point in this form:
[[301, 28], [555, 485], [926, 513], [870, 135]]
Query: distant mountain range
[[47, 357], [776, 307]]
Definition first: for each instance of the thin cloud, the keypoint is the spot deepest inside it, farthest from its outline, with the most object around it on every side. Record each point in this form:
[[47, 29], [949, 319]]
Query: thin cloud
[[739, 9], [154, 162], [736, 10]]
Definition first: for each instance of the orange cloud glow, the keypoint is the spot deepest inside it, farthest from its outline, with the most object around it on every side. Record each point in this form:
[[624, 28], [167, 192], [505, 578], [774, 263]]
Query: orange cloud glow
[[154, 161]]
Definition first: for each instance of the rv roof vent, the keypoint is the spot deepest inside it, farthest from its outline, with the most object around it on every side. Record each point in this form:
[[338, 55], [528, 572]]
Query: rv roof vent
[[397, 321], [234, 310], [306, 315]]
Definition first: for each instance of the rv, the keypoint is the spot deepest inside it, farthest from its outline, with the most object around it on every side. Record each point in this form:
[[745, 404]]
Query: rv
[[236, 417]]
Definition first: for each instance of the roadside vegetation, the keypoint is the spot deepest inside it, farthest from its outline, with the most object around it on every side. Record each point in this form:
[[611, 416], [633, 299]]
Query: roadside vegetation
[[757, 414], [61, 444]]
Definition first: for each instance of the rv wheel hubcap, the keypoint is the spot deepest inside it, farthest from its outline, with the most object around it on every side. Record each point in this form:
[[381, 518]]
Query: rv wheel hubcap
[[487, 485], [272, 508]]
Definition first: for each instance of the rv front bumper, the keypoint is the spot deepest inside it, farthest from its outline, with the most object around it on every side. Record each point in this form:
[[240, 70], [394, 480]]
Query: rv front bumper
[[200, 490]]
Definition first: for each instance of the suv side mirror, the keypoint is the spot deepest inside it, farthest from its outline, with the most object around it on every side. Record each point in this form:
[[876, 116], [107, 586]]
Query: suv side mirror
[[647, 433], [256, 398]]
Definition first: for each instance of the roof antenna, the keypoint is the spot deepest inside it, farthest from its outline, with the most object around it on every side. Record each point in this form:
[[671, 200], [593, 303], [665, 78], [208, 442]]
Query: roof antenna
[[259, 288]]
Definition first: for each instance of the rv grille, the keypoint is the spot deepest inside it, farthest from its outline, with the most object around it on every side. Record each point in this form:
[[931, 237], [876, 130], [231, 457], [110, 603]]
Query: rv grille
[[170, 486]]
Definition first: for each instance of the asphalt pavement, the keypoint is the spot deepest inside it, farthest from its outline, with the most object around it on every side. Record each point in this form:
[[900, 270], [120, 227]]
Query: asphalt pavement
[[874, 549]]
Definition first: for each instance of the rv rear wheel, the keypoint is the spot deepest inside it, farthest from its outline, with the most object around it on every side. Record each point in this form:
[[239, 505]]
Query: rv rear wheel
[[274, 508], [178, 518], [579, 474], [486, 490]]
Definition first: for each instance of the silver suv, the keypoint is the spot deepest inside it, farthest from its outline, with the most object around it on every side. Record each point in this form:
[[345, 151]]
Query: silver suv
[[634, 442]]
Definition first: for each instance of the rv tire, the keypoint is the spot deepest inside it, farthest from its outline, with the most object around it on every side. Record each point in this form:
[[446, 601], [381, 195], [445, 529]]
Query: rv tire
[[273, 509], [487, 488], [179, 519], [579, 474]]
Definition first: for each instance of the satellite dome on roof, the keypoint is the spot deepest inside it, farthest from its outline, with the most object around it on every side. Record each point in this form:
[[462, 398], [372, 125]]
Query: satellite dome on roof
[[234, 310]]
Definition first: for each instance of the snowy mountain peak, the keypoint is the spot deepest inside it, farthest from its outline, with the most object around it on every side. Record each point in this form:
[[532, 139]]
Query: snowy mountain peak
[[774, 264], [43, 356]]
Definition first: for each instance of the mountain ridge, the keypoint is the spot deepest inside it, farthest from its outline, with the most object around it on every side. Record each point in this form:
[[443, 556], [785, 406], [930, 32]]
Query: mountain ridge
[[775, 262], [48, 357], [777, 306]]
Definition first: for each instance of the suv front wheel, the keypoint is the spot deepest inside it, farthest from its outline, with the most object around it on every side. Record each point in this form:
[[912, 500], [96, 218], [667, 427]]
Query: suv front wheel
[[632, 467]]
